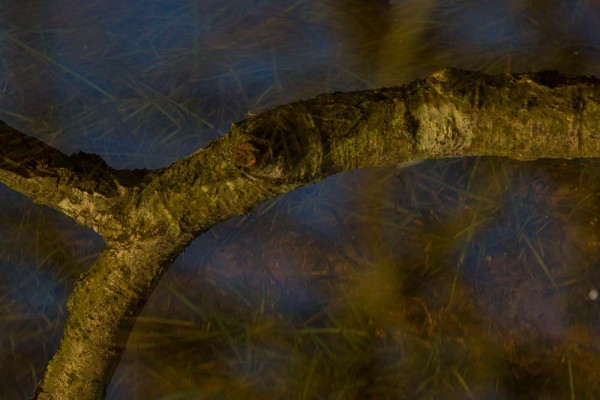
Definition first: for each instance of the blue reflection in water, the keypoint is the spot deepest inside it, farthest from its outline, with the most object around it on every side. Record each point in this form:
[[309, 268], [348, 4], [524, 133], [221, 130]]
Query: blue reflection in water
[[122, 76], [481, 26], [39, 292]]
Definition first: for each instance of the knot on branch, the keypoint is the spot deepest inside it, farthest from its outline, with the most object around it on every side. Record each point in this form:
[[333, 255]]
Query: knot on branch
[[282, 144]]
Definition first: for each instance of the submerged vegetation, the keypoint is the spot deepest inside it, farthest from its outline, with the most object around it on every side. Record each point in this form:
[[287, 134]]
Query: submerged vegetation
[[484, 295]]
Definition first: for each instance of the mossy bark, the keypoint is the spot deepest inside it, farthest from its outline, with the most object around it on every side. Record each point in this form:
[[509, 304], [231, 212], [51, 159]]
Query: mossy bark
[[148, 217]]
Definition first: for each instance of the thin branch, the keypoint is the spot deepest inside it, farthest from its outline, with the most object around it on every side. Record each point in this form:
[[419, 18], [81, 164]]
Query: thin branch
[[82, 186]]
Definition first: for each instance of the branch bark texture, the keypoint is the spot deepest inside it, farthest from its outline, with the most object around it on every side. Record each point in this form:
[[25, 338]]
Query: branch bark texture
[[148, 217]]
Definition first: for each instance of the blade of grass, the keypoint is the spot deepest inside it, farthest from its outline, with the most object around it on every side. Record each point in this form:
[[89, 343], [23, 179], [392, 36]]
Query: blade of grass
[[49, 60], [539, 260], [463, 384], [571, 385]]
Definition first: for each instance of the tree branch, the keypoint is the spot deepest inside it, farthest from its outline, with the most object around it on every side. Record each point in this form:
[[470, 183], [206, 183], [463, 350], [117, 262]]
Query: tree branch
[[452, 113], [147, 218], [82, 186], [102, 309]]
